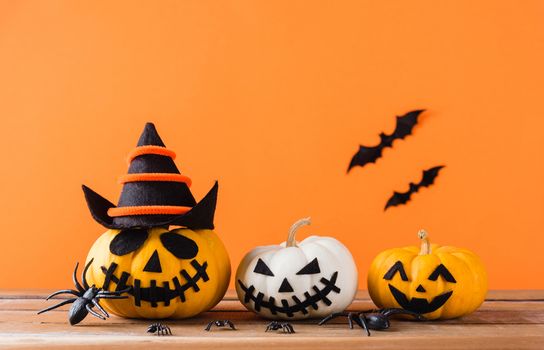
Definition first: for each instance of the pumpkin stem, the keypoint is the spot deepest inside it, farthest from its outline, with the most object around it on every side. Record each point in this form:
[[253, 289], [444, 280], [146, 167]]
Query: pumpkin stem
[[425, 245], [291, 241]]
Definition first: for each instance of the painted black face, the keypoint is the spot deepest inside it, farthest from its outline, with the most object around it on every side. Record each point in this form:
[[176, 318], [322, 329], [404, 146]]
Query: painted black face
[[309, 300], [157, 293], [419, 305], [130, 240]]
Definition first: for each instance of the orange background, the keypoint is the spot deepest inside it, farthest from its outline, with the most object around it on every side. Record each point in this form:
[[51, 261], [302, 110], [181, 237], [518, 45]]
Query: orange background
[[272, 98]]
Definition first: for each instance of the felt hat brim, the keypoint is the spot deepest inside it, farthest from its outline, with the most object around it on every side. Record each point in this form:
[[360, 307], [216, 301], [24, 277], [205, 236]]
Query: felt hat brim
[[199, 217]]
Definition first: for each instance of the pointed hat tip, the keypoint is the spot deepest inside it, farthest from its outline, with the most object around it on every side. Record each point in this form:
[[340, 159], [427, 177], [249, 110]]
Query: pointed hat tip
[[150, 136]]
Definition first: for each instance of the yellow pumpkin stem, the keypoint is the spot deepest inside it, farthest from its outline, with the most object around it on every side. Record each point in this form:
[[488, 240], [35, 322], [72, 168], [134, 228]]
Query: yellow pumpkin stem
[[291, 241], [425, 244]]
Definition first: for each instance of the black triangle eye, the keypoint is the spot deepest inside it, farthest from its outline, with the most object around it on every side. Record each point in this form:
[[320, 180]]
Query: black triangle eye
[[442, 270], [310, 269], [182, 247], [397, 267], [127, 241], [262, 268]]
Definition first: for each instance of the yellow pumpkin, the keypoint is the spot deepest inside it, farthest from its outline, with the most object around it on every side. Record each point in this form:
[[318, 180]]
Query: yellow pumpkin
[[439, 282], [171, 274]]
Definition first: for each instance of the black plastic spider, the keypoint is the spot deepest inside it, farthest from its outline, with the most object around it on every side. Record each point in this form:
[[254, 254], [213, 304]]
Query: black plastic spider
[[284, 326], [372, 319], [220, 323], [87, 298], [159, 329]]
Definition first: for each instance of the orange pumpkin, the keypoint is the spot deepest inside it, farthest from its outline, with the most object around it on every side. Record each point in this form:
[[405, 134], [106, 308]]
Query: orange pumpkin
[[439, 282]]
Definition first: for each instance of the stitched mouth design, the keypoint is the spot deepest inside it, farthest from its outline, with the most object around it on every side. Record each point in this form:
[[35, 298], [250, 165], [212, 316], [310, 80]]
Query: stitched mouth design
[[298, 306], [154, 293], [419, 305]]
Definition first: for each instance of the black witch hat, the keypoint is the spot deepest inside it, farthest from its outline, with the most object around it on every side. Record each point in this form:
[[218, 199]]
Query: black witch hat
[[154, 192]]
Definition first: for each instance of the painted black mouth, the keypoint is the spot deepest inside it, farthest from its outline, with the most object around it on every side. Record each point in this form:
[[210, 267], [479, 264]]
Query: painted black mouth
[[299, 306], [155, 294], [419, 305]]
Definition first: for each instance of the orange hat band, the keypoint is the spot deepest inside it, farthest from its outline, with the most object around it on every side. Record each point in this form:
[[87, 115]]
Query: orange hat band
[[140, 151], [148, 210], [167, 177]]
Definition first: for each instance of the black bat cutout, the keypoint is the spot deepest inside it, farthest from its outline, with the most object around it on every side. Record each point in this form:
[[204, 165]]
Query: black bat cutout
[[404, 127], [399, 198]]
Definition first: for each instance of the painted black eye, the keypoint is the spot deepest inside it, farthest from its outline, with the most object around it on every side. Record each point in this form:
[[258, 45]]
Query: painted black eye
[[262, 268], [397, 267], [181, 246], [442, 270], [310, 269], [128, 241]]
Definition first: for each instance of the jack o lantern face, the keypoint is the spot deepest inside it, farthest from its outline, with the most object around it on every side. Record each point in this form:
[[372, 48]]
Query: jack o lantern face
[[440, 282], [286, 286], [416, 304], [175, 273], [151, 284], [297, 280]]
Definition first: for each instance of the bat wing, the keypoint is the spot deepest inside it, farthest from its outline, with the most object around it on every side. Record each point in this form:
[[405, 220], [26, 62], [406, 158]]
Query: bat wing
[[398, 198], [405, 124], [429, 175], [365, 155], [404, 127]]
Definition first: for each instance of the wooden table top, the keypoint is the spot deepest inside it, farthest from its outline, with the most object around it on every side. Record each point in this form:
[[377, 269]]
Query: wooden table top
[[507, 320]]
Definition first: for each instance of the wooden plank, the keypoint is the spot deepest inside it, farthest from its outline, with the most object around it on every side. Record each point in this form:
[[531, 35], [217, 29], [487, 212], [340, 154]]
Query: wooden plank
[[490, 312], [403, 335], [508, 321], [508, 295]]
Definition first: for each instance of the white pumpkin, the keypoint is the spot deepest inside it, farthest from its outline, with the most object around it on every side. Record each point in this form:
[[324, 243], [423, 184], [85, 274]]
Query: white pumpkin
[[293, 280]]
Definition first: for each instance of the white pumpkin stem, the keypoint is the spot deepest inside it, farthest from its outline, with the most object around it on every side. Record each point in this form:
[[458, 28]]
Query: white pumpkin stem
[[425, 244], [291, 241]]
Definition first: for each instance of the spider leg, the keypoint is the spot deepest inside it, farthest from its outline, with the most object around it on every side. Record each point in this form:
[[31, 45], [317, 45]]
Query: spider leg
[[108, 296], [84, 274], [270, 326], [372, 311], [209, 326], [230, 324], [290, 328], [357, 318], [94, 313], [362, 319], [331, 316], [396, 311], [76, 282], [58, 305], [114, 292], [164, 329], [104, 312], [168, 330], [64, 291], [351, 317]]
